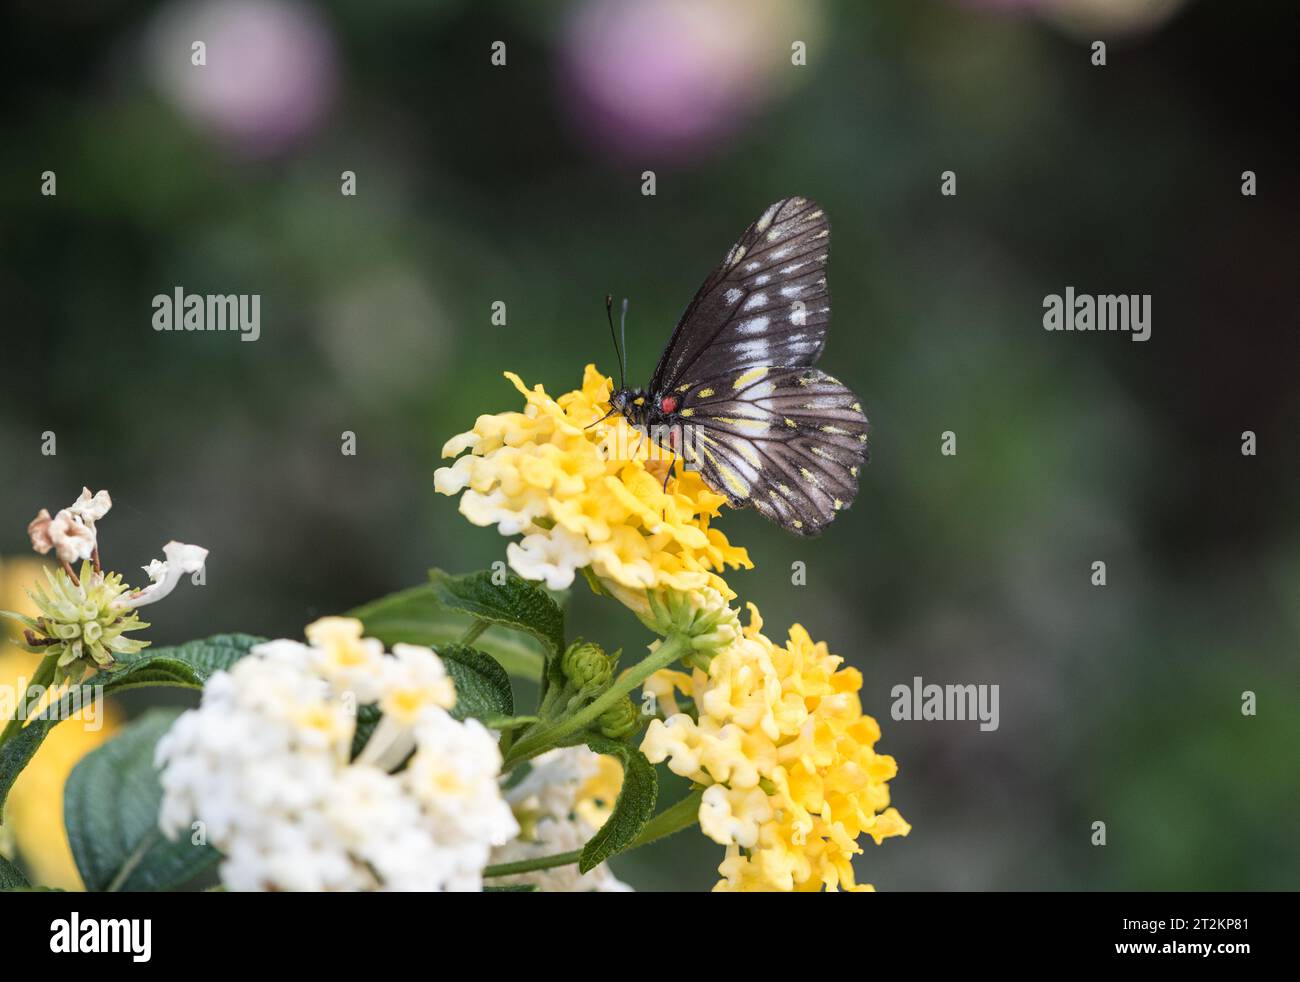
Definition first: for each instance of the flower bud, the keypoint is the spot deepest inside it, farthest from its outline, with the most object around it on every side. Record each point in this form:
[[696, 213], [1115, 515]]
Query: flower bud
[[586, 665], [618, 720]]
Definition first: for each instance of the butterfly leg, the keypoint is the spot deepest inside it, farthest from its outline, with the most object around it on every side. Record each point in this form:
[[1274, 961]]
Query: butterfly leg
[[672, 463]]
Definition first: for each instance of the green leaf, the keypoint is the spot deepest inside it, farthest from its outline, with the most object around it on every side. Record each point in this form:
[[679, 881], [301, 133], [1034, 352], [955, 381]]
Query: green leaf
[[111, 806], [415, 616], [515, 603], [367, 719], [482, 685], [513, 888], [11, 878], [188, 665], [635, 805]]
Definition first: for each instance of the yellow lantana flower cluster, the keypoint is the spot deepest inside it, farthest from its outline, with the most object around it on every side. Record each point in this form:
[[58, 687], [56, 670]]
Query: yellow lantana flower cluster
[[787, 756], [584, 495]]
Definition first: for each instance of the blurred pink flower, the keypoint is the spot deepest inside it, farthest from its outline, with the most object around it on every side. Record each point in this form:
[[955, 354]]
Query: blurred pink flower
[[665, 80], [270, 74]]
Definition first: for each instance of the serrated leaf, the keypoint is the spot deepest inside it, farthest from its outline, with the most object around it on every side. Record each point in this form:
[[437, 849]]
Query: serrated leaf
[[482, 685], [11, 877], [415, 616], [514, 603], [188, 665], [635, 805], [110, 805]]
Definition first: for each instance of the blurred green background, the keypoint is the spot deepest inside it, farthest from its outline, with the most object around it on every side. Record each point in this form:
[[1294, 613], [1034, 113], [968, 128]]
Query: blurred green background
[[522, 183]]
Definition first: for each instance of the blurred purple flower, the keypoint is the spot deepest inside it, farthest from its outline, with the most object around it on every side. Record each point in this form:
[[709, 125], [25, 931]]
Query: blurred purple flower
[[670, 80], [270, 74]]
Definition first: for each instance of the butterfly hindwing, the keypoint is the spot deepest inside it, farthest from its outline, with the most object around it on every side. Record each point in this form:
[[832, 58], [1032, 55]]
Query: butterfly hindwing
[[789, 441], [765, 304]]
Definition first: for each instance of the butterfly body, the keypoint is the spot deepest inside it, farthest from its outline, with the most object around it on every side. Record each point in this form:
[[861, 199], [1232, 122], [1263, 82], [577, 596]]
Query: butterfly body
[[735, 393]]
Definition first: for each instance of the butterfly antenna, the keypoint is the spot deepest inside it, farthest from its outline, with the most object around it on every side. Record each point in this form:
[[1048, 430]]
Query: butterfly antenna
[[609, 316], [622, 327]]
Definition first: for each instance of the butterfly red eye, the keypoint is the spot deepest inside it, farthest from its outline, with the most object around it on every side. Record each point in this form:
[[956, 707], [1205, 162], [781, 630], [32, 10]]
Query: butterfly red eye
[[668, 404]]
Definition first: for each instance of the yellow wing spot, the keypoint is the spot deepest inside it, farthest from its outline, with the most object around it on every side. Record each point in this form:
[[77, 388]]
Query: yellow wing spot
[[791, 423], [785, 489], [639, 401], [772, 494], [797, 524], [836, 430], [862, 438], [688, 413], [704, 393], [747, 451], [853, 471], [807, 475], [856, 407], [729, 477], [837, 504], [819, 452], [816, 214], [732, 480], [753, 375]]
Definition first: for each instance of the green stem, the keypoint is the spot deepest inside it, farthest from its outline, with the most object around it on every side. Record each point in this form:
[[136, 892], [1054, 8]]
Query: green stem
[[532, 865], [474, 630], [543, 737], [41, 678], [672, 819]]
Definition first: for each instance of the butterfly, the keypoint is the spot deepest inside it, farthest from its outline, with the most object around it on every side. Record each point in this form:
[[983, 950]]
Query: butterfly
[[735, 391]]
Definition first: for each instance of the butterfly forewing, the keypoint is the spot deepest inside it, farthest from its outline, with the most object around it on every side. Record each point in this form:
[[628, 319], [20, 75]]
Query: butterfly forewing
[[766, 304], [789, 441]]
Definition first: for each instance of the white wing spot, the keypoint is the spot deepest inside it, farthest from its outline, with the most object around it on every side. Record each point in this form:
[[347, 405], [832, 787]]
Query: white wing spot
[[757, 300], [732, 295]]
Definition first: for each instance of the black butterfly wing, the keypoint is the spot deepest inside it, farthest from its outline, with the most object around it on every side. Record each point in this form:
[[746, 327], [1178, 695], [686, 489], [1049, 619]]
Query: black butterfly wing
[[789, 441], [765, 304]]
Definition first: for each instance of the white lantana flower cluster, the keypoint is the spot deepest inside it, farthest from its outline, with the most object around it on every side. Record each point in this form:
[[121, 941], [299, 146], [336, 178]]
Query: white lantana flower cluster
[[265, 764], [560, 805]]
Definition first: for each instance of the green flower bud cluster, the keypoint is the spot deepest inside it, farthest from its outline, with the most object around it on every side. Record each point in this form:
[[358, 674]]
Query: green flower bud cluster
[[80, 622], [702, 616]]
